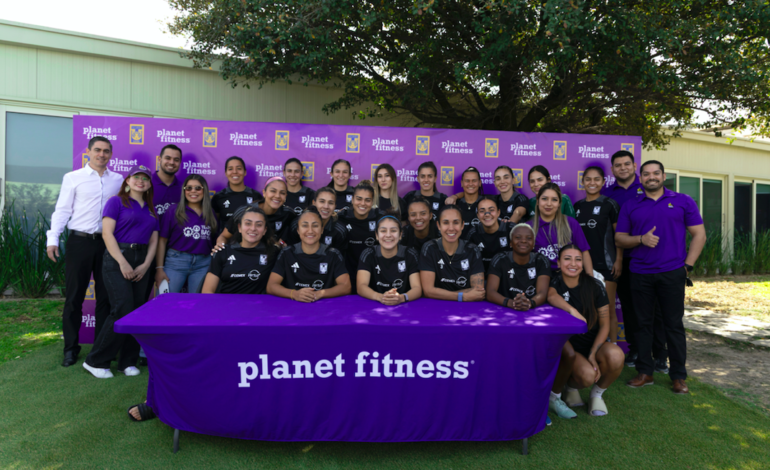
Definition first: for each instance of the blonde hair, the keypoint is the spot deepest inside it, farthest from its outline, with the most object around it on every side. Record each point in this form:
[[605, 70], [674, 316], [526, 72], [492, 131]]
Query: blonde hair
[[522, 224], [563, 230], [393, 188]]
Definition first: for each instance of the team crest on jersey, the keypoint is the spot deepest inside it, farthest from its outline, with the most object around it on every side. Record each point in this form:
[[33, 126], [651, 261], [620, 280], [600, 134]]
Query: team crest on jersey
[[328, 240], [566, 296], [372, 225], [402, 266], [302, 199], [136, 134], [511, 273], [322, 268], [465, 264], [510, 209], [278, 225], [597, 209], [263, 259], [435, 206], [349, 198], [249, 200], [210, 137], [503, 241], [532, 272]]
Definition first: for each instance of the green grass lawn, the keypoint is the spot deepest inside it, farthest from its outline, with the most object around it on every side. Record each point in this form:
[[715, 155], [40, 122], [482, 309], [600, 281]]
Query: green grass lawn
[[26, 325]]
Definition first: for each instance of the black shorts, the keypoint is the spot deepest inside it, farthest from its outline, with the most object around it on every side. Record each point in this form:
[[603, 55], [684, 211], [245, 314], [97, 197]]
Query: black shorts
[[582, 343], [607, 273]]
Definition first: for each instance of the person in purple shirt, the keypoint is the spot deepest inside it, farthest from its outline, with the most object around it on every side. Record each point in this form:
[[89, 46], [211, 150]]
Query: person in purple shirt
[[130, 231], [654, 227], [165, 185], [554, 230], [625, 188], [187, 232]]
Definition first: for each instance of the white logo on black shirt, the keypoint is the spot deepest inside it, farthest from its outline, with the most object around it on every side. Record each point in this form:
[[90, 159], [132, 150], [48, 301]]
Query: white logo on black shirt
[[566, 296], [465, 264], [591, 223], [263, 259], [597, 209], [577, 213], [402, 266], [441, 263], [475, 222], [369, 241], [323, 267], [398, 283], [302, 199], [249, 200], [318, 285], [511, 273], [531, 291], [510, 209], [295, 267], [253, 275], [226, 204], [481, 246], [298, 210], [328, 240], [377, 268], [231, 259], [349, 227], [372, 225], [435, 206], [461, 281], [278, 225], [503, 241], [532, 273], [349, 197]]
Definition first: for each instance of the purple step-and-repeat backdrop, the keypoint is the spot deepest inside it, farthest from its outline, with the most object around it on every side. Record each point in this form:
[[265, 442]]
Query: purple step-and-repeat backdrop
[[265, 146]]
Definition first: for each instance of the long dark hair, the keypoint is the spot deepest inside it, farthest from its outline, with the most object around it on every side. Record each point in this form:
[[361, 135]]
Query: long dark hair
[[269, 237], [125, 197], [540, 169], [588, 288], [430, 166], [472, 169], [513, 177], [563, 230], [420, 200], [337, 162], [298, 162], [227, 162], [206, 209]]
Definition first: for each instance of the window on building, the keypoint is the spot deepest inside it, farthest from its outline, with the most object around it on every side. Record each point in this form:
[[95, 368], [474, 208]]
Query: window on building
[[38, 152], [742, 207], [763, 207], [712, 205], [690, 186], [670, 182]]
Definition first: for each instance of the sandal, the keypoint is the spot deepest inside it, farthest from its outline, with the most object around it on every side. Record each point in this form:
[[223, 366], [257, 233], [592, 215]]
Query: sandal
[[597, 405], [145, 412], [572, 398]]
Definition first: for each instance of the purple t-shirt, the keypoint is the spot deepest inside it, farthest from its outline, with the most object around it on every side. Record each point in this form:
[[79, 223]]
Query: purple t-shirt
[[547, 240], [194, 237], [671, 214], [621, 194], [132, 225], [163, 196]]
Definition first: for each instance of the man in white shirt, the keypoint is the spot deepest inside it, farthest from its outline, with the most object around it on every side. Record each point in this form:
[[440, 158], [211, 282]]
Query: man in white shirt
[[81, 201]]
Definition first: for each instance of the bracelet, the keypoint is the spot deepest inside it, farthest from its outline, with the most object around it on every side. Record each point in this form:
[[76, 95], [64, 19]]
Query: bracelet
[[159, 267], [505, 302], [641, 242], [406, 298], [291, 294], [459, 296]]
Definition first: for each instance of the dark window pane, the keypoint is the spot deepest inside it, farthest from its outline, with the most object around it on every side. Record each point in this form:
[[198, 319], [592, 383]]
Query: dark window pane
[[691, 187], [742, 207], [670, 182], [763, 207], [712, 205]]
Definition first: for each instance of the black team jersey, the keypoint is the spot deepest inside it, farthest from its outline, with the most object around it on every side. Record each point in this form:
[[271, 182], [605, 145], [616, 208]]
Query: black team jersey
[[317, 271], [361, 235], [470, 217], [596, 218], [516, 278], [453, 273], [389, 273], [300, 200], [242, 270], [344, 198], [582, 342], [507, 208], [491, 244], [409, 237], [334, 235], [385, 204], [226, 202], [436, 201], [281, 220]]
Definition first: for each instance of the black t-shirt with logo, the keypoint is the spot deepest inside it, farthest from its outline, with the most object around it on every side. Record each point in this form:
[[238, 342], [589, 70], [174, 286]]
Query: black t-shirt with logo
[[242, 270], [300, 200], [280, 220], [227, 201], [491, 244], [385, 204], [387, 273], [470, 217], [361, 235], [508, 207], [582, 342], [596, 218], [317, 271], [453, 273], [344, 198], [334, 235], [410, 240], [516, 278], [436, 201]]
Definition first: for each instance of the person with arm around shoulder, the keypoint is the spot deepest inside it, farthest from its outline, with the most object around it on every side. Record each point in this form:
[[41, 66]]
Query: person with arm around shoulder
[[79, 207], [388, 272], [654, 227], [598, 362], [131, 236]]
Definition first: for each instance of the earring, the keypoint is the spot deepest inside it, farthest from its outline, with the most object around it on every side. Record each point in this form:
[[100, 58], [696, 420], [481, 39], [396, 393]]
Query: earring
[[128, 190]]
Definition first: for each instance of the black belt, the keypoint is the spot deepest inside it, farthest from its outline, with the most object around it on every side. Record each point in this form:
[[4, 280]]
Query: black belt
[[133, 246], [92, 236]]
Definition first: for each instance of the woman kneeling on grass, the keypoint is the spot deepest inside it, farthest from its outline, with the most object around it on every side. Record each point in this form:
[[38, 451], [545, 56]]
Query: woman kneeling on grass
[[597, 363]]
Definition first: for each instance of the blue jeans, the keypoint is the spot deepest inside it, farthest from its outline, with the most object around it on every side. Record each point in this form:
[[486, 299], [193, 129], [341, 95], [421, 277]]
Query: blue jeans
[[181, 267]]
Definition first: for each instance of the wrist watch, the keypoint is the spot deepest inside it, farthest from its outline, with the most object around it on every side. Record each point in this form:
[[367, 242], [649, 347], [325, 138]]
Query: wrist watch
[[688, 268]]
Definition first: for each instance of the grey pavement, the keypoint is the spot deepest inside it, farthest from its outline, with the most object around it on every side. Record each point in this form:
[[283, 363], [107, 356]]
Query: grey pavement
[[735, 327]]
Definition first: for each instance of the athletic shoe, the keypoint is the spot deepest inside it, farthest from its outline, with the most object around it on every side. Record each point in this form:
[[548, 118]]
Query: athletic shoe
[[98, 373], [631, 359], [661, 366], [131, 371], [561, 409], [547, 420]]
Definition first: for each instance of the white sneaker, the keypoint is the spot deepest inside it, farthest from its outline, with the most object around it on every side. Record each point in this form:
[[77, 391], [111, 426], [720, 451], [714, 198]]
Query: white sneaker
[[131, 371], [98, 373]]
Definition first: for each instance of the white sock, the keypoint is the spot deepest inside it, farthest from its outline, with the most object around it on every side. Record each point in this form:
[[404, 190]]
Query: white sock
[[569, 389], [555, 396], [597, 391]]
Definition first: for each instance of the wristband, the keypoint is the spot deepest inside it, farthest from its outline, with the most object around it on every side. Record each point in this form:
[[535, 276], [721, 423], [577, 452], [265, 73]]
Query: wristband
[[161, 267], [505, 302], [291, 294], [406, 298], [532, 304], [641, 242], [459, 296], [688, 268]]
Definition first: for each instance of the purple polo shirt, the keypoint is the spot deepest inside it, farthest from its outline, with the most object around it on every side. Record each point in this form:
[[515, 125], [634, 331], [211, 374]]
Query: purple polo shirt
[[547, 240], [671, 214], [194, 237], [621, 194], [132, 225], [163, 196]]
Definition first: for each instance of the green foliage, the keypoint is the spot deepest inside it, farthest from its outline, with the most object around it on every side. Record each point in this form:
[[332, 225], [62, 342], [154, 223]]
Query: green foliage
[[713, 258], [617, 67], [750, 255]]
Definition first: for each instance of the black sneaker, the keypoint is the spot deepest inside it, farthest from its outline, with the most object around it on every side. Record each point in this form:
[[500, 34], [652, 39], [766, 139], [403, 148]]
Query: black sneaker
[[631, 359], [661, 366], [143, 361]]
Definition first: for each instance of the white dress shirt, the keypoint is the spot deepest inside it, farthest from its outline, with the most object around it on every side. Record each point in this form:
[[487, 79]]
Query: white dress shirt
[[81, 201]]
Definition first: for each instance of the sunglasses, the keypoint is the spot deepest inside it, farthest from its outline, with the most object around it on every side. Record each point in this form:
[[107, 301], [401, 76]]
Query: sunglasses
[[140, 177], [193, 188]]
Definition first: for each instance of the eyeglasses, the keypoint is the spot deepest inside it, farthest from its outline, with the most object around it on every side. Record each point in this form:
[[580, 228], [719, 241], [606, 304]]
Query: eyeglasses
[[193, 188], [140, 177]]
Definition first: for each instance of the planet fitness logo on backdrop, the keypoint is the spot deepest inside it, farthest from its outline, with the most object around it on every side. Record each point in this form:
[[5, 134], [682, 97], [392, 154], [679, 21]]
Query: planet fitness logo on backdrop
[[210, 137], [106, 132], [520, 150], [308, 171], [422, 147], [560, 150], [453, 146], [587, 151], [491, 148], [447, 176], [269, 170], [172, 137], [245, 140], [317, 143], [122, 166], [387, 145], [198, 168], [136, 134], [282, 140], [352, 143]]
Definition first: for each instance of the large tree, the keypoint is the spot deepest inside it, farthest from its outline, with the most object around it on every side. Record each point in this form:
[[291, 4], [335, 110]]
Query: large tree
[[611, 66]]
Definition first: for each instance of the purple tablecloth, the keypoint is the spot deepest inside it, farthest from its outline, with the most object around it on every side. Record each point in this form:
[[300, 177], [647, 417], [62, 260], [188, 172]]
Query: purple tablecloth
[[444, 370]]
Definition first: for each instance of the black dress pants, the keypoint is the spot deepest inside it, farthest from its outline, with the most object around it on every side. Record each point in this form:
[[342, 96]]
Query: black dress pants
[[667, 290], [630, 324], [125, 297], [82, 256]]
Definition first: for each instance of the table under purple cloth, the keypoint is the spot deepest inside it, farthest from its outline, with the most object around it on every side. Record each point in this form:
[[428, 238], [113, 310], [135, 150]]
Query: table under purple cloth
[[488, 373]]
